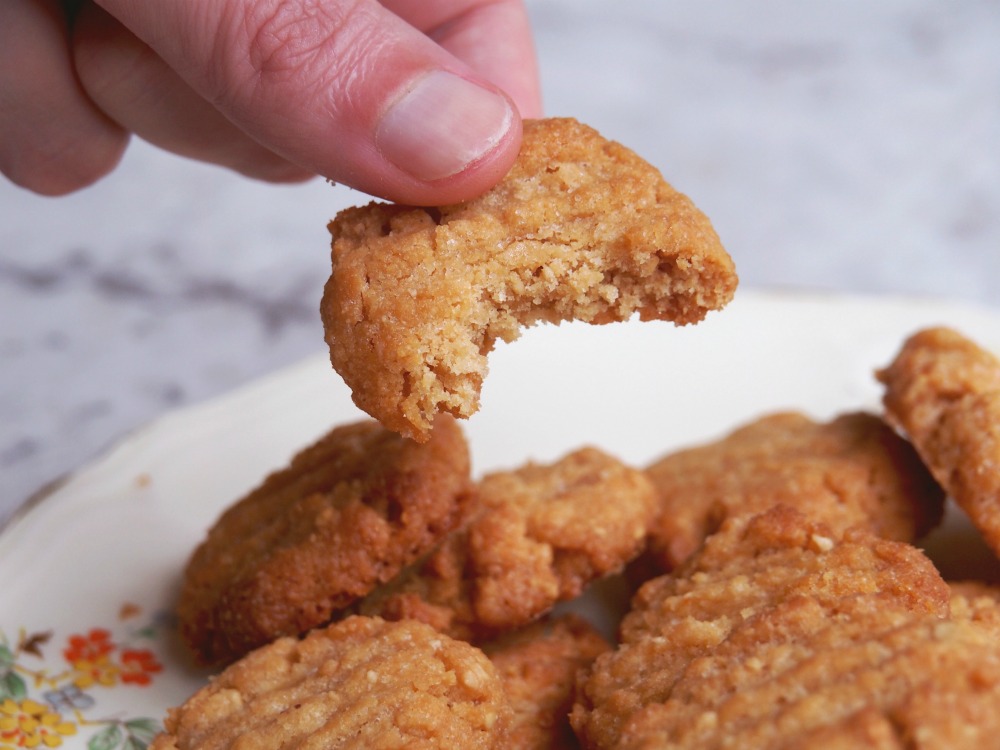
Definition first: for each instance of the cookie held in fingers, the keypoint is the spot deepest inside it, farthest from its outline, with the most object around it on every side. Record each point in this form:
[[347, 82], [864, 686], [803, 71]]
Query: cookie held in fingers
[[580, 229], [777, 633], [348, 513], [536, 536], [852, 470], [943, 391], [358, 684]]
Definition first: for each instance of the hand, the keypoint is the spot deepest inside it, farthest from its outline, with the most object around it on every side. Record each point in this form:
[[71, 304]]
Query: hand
[[417, 101]]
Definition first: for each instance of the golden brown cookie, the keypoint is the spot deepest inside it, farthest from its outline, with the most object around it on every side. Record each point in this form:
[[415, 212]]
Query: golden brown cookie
[[538, 666], [853, 470], [348, 513], [538, 535], [580, 229], [361, 683], [943, 391], [976, 600], [776, 634]]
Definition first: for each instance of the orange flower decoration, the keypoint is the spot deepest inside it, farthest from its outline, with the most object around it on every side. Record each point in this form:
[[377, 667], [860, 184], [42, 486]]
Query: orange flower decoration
[[89, 647], [138, 666]]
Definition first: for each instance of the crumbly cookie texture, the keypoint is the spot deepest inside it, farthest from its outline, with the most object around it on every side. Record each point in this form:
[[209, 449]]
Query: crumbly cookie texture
[[538, 666], [852, 470], [978, 601], [580, 229], [943, 391], [777, 634], [349, 512], [537, 535], [360, 684]]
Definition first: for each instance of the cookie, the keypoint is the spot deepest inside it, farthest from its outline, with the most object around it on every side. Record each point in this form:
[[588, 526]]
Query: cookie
[[349, 512], [538, 666], [943, 391], [580, 229], [360, 683], [852, 470], [976, 600], [777, 634], [537, 535]]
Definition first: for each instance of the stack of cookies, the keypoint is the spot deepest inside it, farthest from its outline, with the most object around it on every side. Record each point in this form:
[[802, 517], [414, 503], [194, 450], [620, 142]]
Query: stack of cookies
[[374, 594]]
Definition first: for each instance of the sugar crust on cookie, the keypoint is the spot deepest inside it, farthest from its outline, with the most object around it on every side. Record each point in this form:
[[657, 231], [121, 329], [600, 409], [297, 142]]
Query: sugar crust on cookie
[[537, 535], [347, 513], [849, 471], [538, 666], [359, 684], [779, 634], [943, 390]]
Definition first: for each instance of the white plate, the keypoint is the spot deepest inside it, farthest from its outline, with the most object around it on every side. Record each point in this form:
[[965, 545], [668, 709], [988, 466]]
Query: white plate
[[88, 575]]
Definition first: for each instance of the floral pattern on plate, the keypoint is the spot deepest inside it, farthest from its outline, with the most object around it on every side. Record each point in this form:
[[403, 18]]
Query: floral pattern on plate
[[53, 686]]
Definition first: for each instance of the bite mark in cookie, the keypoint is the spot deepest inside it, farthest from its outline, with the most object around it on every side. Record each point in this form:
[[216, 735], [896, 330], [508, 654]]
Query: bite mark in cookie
[[580, 229], [348, 512]]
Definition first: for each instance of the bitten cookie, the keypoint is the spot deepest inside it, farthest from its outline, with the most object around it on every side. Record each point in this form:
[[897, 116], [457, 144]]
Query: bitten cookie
[[538, 535], [538, 666], [581, 228], [853, 470], [943, 391], [348, 513], [360, 684], [778, 635]]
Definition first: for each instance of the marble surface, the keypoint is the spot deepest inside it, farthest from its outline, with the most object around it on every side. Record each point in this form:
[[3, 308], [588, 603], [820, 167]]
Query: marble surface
[[850, 147]]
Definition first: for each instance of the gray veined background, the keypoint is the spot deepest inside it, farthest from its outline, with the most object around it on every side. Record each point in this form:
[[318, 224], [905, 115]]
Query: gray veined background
[[849, 146]]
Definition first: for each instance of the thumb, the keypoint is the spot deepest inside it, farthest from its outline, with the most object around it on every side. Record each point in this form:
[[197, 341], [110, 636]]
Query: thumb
[[343, 88]]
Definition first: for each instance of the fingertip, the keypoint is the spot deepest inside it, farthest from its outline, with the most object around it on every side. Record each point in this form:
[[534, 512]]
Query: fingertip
[[441, 124], [53, 140], [60, 166], [67, 148], [448, 139], [482, 175]]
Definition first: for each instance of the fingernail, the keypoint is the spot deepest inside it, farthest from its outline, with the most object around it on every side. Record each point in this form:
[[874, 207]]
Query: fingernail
[[441, 124]]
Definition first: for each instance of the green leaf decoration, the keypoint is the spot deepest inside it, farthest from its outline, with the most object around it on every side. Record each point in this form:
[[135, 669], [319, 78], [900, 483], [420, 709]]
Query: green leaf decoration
[[142, 730], [107, 739], [6, 658], [12, 686]]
